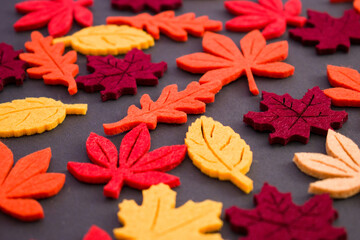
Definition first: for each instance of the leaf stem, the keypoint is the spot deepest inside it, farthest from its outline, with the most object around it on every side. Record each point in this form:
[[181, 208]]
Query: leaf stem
[[78, 109], [252, 85]]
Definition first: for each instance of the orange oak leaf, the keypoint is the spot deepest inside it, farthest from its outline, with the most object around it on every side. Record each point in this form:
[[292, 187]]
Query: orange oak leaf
[[346, 83], [356, 3], [171, 107], [225, 62], [49, 63], [26, 181], [166, 22]]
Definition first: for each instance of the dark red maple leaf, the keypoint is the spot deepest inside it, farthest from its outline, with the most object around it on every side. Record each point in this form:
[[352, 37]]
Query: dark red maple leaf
[[327, 33], [292, 120], [12, 69], [139, 5], [136, 167], [115, 77], [58, 14], [276, 217], [272, 15]]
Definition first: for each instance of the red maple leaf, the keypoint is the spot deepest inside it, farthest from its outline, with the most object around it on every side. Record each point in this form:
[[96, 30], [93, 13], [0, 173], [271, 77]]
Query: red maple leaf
[[292, 120], [26, 181], [271, 15], [58, 14], [139, 5], [276, 217], [136, 167], [96, 233]]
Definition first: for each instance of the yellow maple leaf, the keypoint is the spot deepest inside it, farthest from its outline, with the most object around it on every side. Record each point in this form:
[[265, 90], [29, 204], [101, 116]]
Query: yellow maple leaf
[[340, 169], [107, 39], [219, 152], [158, 219]]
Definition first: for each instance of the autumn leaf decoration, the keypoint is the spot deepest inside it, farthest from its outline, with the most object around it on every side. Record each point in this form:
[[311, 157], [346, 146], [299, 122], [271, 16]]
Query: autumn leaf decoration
[[225, 62], [153, 5], [277, 217], [58, 14], [171, 107], [26, 181], [135, 166], [160, 219], [356, 3], [96, 233], [48, 62], [219, 152], [166, 22], [346, 83], [340, 168]]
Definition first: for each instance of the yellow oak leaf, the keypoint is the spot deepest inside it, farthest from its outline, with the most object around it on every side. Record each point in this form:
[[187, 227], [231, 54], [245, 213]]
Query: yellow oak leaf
[[158, 219], [34, 115], [340, 169], [219, 152], [107, 39]]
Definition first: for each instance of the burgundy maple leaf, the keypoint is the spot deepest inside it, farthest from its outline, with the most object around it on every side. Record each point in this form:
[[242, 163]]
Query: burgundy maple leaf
[[139, 5], [327, 33], [292, 120], [276, 217], [115, 77], [58, 14], [12, 69], [136, 167]]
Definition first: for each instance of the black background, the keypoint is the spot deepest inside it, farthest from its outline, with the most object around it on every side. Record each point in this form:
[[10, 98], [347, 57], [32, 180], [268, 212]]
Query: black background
[[70, 214]]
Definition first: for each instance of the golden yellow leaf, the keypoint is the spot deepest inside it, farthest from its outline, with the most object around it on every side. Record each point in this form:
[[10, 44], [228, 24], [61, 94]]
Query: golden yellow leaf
[[158, 219], [107, 39], [219, 152], [34, 115], [340, 168]]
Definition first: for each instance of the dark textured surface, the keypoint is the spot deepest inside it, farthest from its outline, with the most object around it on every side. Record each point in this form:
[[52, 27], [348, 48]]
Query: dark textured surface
[[70, 214]]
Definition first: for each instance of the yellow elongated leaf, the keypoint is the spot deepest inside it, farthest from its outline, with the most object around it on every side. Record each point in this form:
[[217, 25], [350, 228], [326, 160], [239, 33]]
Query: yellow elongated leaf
[[340, 168], [34, 115], [107, 39], [219, 152], [158, 219]]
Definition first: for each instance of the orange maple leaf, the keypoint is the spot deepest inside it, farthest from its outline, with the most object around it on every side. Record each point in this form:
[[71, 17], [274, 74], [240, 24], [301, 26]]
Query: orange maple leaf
[[49, 62], [26, 180], [225, 62]]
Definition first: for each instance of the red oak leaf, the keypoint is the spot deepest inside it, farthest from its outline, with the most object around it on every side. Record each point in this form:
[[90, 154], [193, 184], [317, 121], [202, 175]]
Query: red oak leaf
[[26, 181], [271, 15], [290, 119], [58, 14], [225, 62], [276, 217], [327, 33], [136, 167], [115, 77], [176, 28], [139, 5], [96, 233], [12, 70]]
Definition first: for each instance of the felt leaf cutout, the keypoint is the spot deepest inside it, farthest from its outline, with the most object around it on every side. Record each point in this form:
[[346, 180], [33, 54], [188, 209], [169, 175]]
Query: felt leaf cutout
[[115, 77], [346, 83], [277, 217], [160, 219], [49, 62], [25, 182], [34, 115], [356, 3], [340, 169], [270, 15], [96, 233], [224, 62], [57, 14], [171, 107], [107, 39], [136, 167], [291, 119], [139, 5], [219, 152], [327, 33], [12, 70], [176, 28]]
